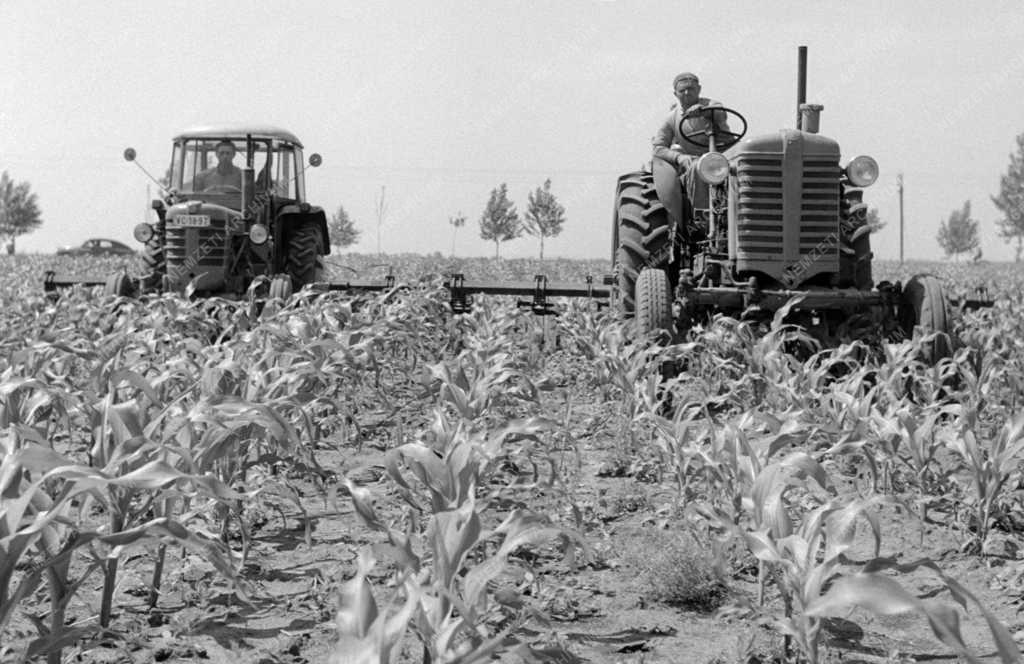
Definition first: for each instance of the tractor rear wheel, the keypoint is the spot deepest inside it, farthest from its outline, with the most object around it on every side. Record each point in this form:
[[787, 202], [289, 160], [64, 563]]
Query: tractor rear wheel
[[304, 261], [642, 229], [119, 284], [923, 306], [653, 302]]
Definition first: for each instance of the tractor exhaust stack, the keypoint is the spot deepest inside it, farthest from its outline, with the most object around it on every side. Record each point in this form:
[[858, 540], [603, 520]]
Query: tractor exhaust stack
[[801, 83]]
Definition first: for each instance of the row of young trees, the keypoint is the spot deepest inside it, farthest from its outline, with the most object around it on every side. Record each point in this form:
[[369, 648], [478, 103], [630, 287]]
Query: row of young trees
[[500, 221]]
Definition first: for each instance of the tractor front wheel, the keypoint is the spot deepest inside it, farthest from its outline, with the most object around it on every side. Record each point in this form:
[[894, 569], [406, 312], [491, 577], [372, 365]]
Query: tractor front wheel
[[653, 302], [923, 308], [304, 261], [153, 257], [119, 284]]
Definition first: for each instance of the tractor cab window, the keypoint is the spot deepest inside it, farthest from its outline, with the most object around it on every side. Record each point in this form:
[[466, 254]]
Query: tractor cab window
[[285, 173], [214, 165]]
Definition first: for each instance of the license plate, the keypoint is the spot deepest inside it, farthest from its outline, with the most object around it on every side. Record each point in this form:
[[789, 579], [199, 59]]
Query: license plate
[[192, 220]]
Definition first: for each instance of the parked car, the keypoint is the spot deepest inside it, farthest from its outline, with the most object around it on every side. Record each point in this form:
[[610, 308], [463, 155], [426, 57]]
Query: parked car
[[97, 247]]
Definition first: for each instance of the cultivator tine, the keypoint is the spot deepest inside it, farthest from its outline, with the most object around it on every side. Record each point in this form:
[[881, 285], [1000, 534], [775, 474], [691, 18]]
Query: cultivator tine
[[981, 302], [460, 301], [603, 298], [539, 304]]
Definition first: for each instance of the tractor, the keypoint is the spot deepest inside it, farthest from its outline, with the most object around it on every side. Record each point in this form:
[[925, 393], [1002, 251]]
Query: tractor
[[771, 221], [215, 235]]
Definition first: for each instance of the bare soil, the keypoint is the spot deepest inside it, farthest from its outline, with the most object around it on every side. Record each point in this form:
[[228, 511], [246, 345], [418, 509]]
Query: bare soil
[[602, 611]]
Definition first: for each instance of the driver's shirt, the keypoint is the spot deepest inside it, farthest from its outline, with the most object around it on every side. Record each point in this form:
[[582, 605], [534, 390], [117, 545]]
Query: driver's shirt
[[669, 143], [214, 178]]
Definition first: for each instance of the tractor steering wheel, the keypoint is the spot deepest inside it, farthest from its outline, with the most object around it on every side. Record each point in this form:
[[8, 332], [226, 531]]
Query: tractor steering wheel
[[724, 139], [222, 189]]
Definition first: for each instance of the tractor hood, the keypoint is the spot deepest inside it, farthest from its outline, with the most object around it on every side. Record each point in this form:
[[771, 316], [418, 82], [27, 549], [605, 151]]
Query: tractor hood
[[814, 146]]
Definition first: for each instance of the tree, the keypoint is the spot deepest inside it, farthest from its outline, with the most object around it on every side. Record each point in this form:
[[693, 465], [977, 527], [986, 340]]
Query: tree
[[1010, 200], [342, 229], [544, 215], [959, 233], [19, 211], [457, 222], [500, 220]]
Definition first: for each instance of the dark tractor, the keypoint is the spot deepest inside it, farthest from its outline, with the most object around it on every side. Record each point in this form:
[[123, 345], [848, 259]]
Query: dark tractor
[[776, 219], [216, 238]]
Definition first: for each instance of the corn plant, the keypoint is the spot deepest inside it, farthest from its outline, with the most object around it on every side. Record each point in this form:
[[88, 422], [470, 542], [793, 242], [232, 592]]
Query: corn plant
[[881, 594], [442, 481], [991, 465], [33, 517], [808, 559]]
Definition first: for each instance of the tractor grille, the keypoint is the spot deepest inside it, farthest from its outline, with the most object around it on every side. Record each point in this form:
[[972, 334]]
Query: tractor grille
[[196, 250], [760, 205], [787, 214], [759, 210]]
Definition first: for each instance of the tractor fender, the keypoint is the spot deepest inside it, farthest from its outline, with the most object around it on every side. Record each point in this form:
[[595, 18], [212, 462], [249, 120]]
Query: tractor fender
[[291, 215], [669, 189]]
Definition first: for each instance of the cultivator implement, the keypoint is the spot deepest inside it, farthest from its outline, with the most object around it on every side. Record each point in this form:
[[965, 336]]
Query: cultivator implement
[[537, 295], [539, 291]]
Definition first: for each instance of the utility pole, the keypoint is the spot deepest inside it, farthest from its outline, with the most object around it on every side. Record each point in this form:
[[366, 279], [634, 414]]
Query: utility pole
[[899, 188], [382, 210]]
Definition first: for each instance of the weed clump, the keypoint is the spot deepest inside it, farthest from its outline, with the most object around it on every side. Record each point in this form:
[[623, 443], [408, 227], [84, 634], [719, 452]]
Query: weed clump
[[675, 569]]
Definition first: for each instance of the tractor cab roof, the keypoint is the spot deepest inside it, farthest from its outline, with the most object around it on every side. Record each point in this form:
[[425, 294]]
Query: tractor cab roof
[[239, 132]]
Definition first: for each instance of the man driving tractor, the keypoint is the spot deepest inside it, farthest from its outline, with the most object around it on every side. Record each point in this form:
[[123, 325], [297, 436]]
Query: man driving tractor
[[668, 142], [686, 116], [224, 174]]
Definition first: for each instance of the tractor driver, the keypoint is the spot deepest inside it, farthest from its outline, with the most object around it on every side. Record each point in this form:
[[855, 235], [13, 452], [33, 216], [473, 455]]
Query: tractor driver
[[670, 145], [668, 142], [224, 174]]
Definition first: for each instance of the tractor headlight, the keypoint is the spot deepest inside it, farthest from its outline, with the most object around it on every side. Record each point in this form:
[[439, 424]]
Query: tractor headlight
[[143, 232], [713, 168], [862, 171], [258, 234]]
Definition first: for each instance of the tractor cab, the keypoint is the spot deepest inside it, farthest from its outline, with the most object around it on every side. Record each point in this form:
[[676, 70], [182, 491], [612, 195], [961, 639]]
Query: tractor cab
[[276, 168]]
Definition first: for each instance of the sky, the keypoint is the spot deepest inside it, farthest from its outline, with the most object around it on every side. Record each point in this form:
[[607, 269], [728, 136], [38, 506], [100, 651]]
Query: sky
[[435, 103]]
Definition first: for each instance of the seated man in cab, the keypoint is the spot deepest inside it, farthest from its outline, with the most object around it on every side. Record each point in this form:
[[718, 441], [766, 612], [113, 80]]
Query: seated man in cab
[[225, 175]]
